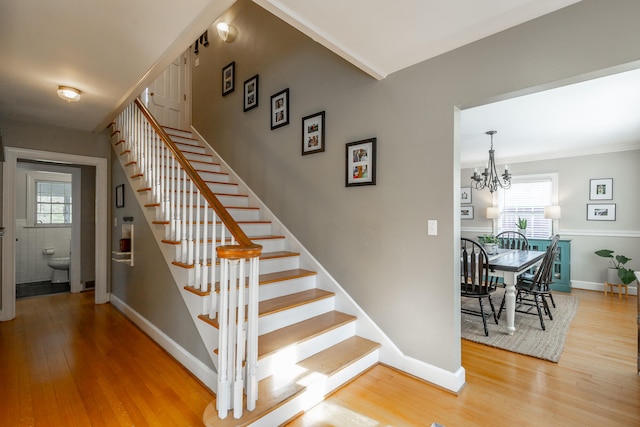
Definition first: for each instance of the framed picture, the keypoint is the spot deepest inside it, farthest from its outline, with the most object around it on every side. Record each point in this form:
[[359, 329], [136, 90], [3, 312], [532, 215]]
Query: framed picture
[[465, 195], [466, 212], [360, 163], [313, 133], [120, 196], [251, 93], [280, 109], [228, 79], [601, 212], [601, 189]]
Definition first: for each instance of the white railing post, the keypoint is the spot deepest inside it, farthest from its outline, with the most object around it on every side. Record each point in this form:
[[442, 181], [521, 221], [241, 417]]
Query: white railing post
[[252, 335], [222, 397]]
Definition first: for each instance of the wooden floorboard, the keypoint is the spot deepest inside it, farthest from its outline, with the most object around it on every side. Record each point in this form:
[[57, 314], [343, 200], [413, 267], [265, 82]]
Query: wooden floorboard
[[67, 362]]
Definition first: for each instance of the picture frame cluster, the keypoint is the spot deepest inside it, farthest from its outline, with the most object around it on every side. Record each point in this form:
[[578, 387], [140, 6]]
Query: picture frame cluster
[[360, 156], [601, 189]]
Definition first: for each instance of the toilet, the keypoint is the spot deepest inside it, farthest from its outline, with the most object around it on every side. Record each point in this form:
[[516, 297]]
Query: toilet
[[60, 269]]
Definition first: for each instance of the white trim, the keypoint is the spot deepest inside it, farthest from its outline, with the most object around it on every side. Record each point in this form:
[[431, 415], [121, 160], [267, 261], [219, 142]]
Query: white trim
[[12, 155], [597, 286], [201, 371]]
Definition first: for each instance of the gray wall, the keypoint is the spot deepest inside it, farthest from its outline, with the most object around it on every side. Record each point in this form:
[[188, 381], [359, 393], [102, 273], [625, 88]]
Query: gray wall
[[373, 239], [574, 173], [148, 287]]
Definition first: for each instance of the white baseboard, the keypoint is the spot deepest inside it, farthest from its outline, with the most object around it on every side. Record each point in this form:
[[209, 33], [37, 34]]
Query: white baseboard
[[596, 286], [202, 372]]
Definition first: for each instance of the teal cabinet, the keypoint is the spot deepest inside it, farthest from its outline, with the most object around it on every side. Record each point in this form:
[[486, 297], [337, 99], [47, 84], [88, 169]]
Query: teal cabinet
[[562, 264]]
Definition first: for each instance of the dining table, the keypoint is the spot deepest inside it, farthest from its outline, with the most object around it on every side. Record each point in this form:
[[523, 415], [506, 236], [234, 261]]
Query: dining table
[[509, 264]]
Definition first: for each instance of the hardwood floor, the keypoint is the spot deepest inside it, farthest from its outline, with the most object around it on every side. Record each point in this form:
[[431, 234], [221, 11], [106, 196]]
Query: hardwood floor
[[67, 362]]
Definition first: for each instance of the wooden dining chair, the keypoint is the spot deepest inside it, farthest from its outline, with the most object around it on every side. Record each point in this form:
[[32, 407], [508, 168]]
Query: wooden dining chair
[[534, 291], [474, 279], [513, 240]]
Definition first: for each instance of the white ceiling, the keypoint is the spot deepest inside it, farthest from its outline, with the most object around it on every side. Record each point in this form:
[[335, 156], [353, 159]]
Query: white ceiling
[[111, 49]]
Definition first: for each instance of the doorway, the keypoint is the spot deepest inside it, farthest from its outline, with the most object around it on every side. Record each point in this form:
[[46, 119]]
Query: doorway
[[12, 156]]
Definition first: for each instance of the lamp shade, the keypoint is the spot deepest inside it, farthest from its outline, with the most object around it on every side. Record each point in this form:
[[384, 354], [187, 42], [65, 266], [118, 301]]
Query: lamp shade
[[552, 212], [493, 212]]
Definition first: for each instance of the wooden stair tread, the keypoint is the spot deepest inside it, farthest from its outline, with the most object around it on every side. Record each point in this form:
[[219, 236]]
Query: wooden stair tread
[[289, 301], [273, 394], [227, 241], [301, 331], [263, 256]]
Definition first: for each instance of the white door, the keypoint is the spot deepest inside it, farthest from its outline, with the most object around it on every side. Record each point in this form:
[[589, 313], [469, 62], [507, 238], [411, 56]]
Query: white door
[[168, 95]]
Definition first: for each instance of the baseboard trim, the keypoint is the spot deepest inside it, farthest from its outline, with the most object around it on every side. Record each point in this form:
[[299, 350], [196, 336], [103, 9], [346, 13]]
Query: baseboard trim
[[202, 372], [595, 286]]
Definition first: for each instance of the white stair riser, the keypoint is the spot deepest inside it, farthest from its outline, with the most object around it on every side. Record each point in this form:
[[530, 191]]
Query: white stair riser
[[286, 287], [198, 157], [188, 146], [178, 133], [249, 228], [266, 266], [287, 317], [281, 360], [316, 391], [222, 187], [268, 245], [236, 214], [210, 168]]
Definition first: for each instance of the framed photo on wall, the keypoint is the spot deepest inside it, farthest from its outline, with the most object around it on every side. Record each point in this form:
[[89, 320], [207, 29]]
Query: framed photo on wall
[[313, 133], [601, 189], [601, 212], [466, 212], [120, 196], [465, 195], [251, 93], [360, 163], [280, 109], [228, 79]]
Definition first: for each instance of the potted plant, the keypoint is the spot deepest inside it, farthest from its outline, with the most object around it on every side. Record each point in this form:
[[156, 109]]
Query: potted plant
[[489, 243], [618, 273], [522, 225]]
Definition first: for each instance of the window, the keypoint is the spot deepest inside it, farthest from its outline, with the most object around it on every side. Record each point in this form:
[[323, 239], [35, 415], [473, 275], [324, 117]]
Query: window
[[53, 202], [527, 199]]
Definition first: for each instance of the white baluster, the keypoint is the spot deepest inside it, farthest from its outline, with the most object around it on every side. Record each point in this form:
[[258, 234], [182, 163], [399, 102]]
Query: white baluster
[[204, 276], [240, 344], [183, 230], [252, 335], [222, 399], [197, 242], [232, 312], [190, 242]]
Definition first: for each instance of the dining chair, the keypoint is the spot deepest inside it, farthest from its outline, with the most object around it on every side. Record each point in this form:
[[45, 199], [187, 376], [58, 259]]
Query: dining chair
[[513, 240], [474, 280], [533, 291], [509, 240]]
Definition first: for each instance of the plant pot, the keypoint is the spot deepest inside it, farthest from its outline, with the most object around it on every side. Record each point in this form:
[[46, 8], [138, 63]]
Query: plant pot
[[612, 276], [491, 248]]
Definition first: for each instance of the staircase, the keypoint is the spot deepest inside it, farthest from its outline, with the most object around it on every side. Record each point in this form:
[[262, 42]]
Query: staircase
[[305, 347]]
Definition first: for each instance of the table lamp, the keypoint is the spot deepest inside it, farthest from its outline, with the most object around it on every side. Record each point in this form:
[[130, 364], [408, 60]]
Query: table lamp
[[493, 212], [553, 213]]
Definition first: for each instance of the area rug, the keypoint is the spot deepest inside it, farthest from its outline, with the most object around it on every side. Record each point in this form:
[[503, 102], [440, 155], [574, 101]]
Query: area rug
[[529, 338]]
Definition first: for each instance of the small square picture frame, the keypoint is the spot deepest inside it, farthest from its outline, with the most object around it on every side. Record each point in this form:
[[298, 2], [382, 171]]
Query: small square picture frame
[[601, 212], [120, 196], [228, 79], [360, 163], [280, 109], [251, 87], [465, 195], [466, 212], [601, 189], [313, 133]]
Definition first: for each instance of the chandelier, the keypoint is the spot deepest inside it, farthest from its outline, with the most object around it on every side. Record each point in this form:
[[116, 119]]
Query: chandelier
[[490, 178]]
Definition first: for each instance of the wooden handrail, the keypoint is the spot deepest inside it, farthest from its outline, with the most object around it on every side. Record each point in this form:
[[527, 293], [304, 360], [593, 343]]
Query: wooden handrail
[[246, 245]]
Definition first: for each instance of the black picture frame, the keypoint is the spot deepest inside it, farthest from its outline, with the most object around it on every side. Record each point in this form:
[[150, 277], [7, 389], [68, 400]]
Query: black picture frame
[[280, 109], [466, 212], [120, 196], [601, 212], [251, 88], [313, 133], [601, 189], [465, 195], [360, 163], [228, 79]]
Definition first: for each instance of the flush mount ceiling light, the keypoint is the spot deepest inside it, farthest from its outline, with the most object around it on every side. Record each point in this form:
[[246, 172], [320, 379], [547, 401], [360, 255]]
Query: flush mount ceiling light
[[226, 32], [490, 178], [69, 94]]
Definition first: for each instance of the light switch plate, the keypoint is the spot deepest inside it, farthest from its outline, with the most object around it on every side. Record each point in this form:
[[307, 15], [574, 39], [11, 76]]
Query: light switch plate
[[432, 227]]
